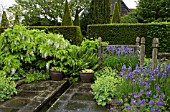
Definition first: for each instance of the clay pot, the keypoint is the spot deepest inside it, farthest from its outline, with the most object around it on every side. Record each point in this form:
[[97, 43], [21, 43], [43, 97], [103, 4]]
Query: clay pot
[[56, 75], [86, 77]]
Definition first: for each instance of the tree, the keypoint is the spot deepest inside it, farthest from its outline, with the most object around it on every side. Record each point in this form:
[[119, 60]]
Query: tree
[[41, 12], [77, 20], [15, 14], [48, 12], [153, 10], [77, 6], [119, 6], [116, 14], [67, 20], [100, 11], [4, 20]]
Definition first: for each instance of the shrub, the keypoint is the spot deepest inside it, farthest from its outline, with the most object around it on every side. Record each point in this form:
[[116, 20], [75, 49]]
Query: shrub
[[35, 76], [77, 20], [129, 18], [104, 72], [7, 88], [67, 20], [116, 14], [4, 20], [104, 89], [27, 49]]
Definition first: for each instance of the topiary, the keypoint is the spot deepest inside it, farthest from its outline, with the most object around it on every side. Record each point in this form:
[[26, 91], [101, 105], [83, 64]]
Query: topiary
[[116, 14], [67, 20], [4, 20], [77, 20]]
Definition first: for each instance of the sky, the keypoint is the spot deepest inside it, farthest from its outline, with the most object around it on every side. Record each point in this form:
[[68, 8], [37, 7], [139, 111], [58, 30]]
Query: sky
[[7, 3]]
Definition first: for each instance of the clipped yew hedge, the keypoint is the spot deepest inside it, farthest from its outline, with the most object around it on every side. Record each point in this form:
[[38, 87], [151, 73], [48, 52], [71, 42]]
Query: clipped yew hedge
[[71, 33], [127, 33]]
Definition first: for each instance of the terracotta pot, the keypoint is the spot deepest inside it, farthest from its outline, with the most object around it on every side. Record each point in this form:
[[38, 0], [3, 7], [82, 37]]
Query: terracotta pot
[[56, 75], [86, 77]]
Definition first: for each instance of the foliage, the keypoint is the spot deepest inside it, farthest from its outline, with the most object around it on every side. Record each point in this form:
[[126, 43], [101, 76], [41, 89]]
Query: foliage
[[100, 11], [119, 5], [36, 76], [97, 13], [84, 56], [104, 72], [77, 6], [151, 11], [19, 74], [27, 49], [116, 14], [116, 57], [41, 12], [7, 88], [15, 14], [113, 34], [131, 17], [76, 20], [71, 33], [47, 13], [104, 88], [67, 20], [146, 89], [4, 20]]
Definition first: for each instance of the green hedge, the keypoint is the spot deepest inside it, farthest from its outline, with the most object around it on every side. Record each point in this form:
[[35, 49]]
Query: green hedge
[[71, 33], [126, 34]]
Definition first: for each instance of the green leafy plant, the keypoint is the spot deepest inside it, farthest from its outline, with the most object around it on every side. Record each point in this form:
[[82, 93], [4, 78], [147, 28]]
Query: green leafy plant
[[116, 57], [7, 87], [106, 71], [104, 89], [83, 57], [36, 76], [25, 49]]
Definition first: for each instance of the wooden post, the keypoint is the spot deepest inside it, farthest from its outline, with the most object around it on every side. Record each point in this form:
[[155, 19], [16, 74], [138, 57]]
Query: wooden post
[[100, 50], [137, 46], [142, 51], [154, 52]]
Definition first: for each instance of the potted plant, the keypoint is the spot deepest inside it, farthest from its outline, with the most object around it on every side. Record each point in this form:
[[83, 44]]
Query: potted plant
[[86, 75], [56, 73]]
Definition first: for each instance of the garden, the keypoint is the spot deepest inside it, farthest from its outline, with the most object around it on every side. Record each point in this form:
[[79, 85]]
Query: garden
[[120, 83], [97, 60]]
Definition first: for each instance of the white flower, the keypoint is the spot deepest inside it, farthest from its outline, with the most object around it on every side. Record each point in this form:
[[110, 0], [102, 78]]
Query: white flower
[[13, 70], [15, 42], [47, 66], [56, 45]]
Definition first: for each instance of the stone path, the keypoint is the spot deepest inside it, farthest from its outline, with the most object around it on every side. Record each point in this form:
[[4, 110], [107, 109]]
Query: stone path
[[77, 98], [31, 96]]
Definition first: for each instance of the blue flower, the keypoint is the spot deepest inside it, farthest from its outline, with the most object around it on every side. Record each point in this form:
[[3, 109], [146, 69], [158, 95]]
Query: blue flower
[[146, 86], [157, 88], [160, 103], [148, 93], [152, 110], [111, 109], [133, 101], [151, 102]]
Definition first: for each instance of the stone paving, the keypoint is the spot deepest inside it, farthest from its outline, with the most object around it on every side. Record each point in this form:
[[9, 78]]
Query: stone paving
[[77, 98], [31, 96]]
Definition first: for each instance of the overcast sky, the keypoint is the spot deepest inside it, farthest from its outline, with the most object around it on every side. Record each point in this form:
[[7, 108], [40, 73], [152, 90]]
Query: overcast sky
[[7, 3]]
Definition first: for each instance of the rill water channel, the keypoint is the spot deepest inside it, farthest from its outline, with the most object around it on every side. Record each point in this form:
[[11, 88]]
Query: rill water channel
[[52, 96]]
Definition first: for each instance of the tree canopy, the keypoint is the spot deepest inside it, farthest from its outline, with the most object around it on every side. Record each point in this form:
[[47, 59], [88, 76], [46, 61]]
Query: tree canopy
[[153, 10], [47, 12]]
